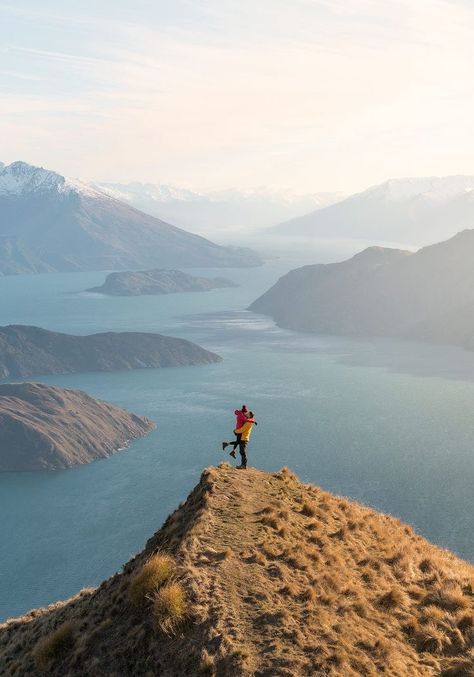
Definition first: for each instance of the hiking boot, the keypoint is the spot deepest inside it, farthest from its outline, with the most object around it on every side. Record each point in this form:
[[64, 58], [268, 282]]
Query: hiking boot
[[232, 453], [224, 444], [241, 467]]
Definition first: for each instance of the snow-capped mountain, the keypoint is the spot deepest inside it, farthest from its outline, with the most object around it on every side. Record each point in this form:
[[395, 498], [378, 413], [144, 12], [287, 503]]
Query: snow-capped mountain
[[415, 211], [217, 211], [20, 178], [50, 222]]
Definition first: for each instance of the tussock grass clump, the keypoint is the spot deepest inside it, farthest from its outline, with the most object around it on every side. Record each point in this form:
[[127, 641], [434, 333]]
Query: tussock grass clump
[[207, 664], [465, 622], [289, 590], [169, 607], [308, 595], [270, 521], [392, 598], [54, 646], [451, 600], [267, 510], [430, 638], [308, 509], [155, 572], [460, 667]]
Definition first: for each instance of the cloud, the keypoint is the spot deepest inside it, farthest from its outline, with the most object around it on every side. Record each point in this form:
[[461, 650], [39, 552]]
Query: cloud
[[310, 95]]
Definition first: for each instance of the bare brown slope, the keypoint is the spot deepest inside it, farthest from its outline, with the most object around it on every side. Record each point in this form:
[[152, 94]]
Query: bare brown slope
[[47, 428], [280, 578]]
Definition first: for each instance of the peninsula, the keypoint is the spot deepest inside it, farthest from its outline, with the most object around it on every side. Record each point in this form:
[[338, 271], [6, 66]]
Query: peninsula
[[47, 428], [26, 351]]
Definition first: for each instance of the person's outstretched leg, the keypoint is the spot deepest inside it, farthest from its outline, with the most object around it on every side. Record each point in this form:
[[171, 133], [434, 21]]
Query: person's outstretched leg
[[234, 444]]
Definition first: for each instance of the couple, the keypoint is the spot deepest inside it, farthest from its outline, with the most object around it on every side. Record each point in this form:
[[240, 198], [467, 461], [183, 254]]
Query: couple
[[243, 427]]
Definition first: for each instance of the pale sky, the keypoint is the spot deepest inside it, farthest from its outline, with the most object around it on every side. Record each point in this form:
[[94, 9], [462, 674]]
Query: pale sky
[[310, 95]]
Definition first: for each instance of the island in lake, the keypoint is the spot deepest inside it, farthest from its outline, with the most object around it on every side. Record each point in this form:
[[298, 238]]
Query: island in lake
[[157, 281], [47, 428], [25, 351]]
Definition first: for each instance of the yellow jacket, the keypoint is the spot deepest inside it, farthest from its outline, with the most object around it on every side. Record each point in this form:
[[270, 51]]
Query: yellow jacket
[[245, 431]]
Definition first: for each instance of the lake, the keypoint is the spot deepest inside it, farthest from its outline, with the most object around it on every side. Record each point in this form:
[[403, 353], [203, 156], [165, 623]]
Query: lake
[[384, 422]]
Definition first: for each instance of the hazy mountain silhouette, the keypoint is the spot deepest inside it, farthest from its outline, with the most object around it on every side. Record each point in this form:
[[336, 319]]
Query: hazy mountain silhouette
[[383, 292], [217, 210], [49, 222], [414, 210]]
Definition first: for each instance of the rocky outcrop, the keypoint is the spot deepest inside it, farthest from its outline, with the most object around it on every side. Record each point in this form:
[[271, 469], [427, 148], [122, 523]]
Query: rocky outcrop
[[142, 282], [47, 428], [25, 351]]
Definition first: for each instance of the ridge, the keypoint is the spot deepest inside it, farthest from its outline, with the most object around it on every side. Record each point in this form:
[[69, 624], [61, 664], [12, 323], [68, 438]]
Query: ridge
[[275, 577]]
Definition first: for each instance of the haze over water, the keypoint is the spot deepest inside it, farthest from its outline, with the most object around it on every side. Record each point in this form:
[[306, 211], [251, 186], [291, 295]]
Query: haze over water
[[387, 423]]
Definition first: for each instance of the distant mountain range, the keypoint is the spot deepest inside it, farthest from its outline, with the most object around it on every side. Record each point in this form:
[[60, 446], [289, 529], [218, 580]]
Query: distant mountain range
[[51, 223], [428, 295], [415, 211], [217, 211]]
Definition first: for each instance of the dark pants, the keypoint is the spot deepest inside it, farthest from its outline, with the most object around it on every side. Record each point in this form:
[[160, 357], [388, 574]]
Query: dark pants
[[236, 442], [243, 453]]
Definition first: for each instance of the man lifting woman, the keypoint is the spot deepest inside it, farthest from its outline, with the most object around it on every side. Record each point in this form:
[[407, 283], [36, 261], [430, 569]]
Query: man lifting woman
[[243, 427]]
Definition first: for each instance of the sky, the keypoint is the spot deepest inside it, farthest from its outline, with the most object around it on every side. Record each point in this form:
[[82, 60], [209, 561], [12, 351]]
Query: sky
[[304, 95]]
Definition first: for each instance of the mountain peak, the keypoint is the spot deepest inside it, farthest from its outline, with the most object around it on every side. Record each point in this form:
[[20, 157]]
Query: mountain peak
[[260, 574], [20, 178], [378, 254], [428, 187]]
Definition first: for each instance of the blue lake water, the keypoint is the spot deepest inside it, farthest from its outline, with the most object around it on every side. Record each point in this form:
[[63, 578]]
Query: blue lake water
[[388, 423]]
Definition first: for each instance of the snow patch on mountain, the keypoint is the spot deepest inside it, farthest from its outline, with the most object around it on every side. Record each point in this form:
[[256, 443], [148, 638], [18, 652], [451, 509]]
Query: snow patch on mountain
[[20, 179], [165, 193], [433, 188]]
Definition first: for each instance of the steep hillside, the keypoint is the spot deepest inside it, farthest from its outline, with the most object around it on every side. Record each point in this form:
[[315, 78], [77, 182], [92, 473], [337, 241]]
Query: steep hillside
[[158, 281], [47, 428], [382, 292], [25, 351], [60, 224], [257, 574], [416, 211]]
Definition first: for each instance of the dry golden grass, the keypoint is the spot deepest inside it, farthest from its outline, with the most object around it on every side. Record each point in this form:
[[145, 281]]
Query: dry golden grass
[[54, 646], [272, 578], [157, 570], [308, 509], [169, 607]]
